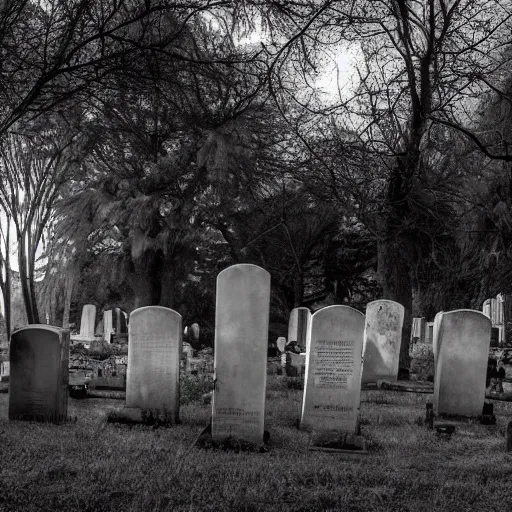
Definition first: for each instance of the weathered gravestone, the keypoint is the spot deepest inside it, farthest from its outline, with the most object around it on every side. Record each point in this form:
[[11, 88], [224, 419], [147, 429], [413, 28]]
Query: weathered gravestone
[[333, 370], [461, 352], [39, 373], [298, 326], [418, 330], [435, 335], [241, 331], [382, 340], [281, 343], [154, 352], [194, 331], [486, 308], [88, 320], [108, 325], [119, 321]]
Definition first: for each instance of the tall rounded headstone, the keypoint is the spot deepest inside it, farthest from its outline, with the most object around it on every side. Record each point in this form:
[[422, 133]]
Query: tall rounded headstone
[[241, 339], [382, 340], [435, 335], [462, 349], [486, 308], [88, 321], [154, 352], [120, 321], [39, 373], [298, 326], [108, 325], [332, 387]]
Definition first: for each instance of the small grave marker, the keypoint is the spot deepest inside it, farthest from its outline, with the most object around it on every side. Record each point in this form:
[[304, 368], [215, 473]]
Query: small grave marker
[[154, 352], [382, 340], [461, 352]]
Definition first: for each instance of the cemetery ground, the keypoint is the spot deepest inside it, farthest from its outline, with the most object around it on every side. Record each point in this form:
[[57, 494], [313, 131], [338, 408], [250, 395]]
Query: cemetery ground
[[92, 465]]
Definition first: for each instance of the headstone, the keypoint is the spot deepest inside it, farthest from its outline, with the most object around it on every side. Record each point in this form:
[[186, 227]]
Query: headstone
[[429, 332], [435, 335], [120, 322], [494, 310], [295, 365], [382, 340], [108, 326], [154, 352], [39, 373], [499, 308], [88, 321], [281, 343], [418, 330], [241, 332], [333, 370], [194, 331], [486, 308], [298, 326], [462, 348]]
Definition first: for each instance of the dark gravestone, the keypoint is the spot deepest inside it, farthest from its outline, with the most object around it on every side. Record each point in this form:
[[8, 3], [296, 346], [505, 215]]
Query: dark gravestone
[[495, 337], [38, 388]]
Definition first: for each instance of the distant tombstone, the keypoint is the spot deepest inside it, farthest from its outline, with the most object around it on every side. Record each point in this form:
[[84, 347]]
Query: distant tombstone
[[429, 332], [154, 352], [486, 308], [295, 364], [333, 370], [108, 325], [194, 331], [500, 300], [88, 321], [281, 343], [241, 331], [39, 373], [120, 321], [435, 335], [418, 329], [495, 337], [382, 340], [298, 326], [462, 348], [494, 310]]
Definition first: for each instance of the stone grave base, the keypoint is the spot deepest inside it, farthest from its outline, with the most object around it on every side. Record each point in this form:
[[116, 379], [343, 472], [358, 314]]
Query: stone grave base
[[44, 418], [506, 397], [339, 443], [204, 440], [106, 393], [136, 416], [406, 386]]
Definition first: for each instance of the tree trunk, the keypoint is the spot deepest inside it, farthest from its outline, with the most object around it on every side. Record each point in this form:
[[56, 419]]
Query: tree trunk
[[68, 292], [168, 282], [30, 308], [142, 290], [298, 289], [395, 276]]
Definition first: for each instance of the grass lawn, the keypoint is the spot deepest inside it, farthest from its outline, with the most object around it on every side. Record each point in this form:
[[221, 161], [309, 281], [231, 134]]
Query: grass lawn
[[92, 465]]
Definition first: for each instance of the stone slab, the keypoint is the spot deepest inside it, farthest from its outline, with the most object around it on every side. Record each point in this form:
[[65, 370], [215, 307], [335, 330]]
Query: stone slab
[[154, 352], [241, 340], [333, 370], [39, 373], [382, 340], [298, 326], [88, 320], [108, 325], [462, 349]]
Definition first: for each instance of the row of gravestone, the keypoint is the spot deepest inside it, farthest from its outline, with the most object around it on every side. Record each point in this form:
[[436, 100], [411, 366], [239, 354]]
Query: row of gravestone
[[113, 322], [337, 338]]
